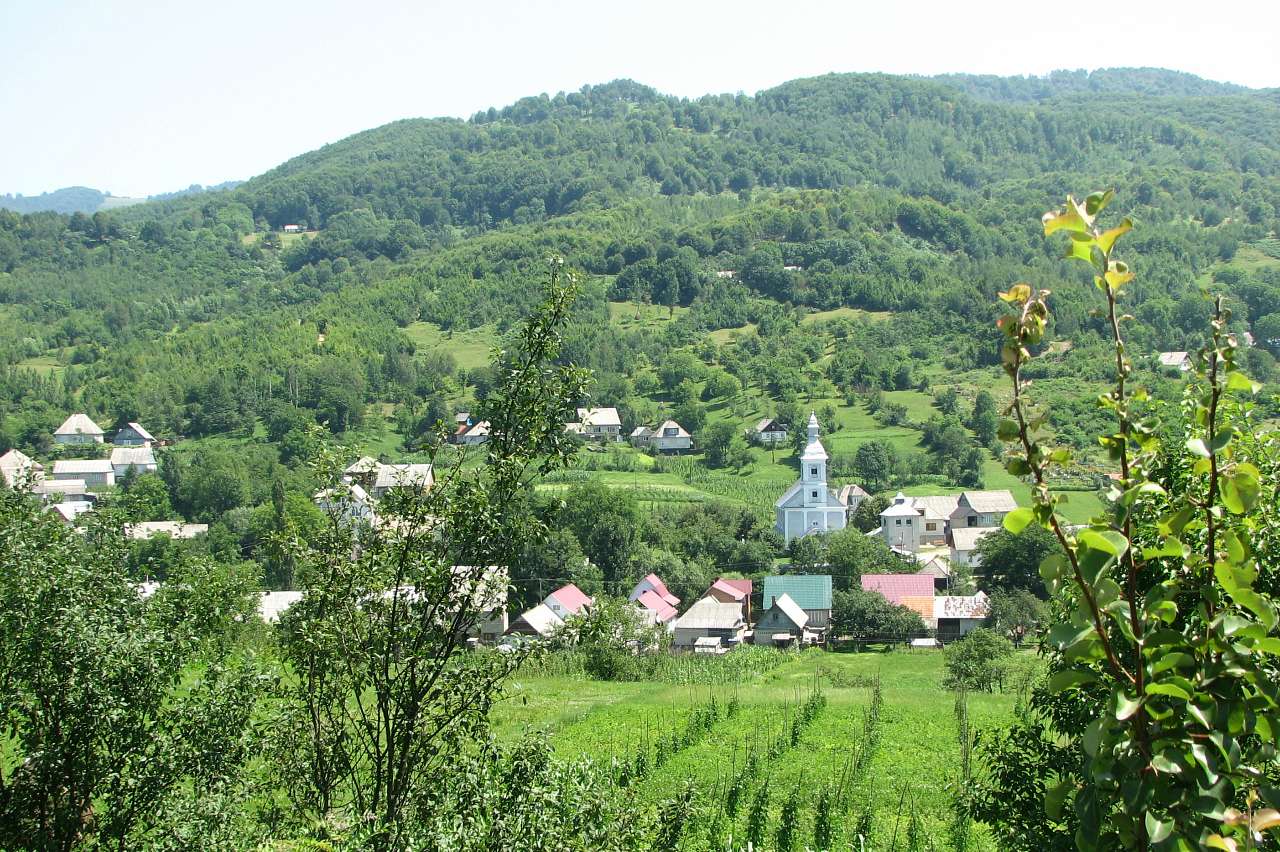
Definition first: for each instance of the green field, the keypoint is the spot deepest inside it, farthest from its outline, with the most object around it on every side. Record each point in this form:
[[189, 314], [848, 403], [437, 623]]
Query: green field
[[470, 348], [916, 759], [45, 365]]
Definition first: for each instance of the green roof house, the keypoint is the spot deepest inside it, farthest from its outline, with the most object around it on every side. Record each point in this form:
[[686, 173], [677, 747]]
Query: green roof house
[[811, 592]]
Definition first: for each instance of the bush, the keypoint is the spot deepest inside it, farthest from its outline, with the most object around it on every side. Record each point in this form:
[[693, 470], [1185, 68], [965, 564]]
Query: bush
[[977, 661]]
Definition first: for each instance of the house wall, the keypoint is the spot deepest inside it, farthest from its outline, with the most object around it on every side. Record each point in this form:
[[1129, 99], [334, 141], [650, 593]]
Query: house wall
[[126, 437], [671, 444], [798, 522], [773, 621], [685, 637], [77, 438], [122, 469], [768, 438], [818, 618]]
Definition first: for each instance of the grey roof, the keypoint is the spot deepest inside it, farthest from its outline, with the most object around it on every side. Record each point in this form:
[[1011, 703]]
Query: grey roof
[[990, 501], [661, 431], [937, 507], [79, 424], [132, 456], [173, 529], [142, 433], [541, 619], [792, 611], [901, 506], [68, 468], [966, 538], [404, 476], [961, 606], [711, 613], [599, 417]]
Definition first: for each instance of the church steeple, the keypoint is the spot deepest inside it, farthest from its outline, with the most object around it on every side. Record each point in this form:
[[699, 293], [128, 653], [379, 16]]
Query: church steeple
[[813, 467]]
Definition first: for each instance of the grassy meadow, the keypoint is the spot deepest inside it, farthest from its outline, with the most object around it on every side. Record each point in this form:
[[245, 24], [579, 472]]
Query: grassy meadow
[[917, 756]]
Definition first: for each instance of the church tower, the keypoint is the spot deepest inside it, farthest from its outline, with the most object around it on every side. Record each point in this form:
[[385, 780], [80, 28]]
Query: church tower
[[813, 467]]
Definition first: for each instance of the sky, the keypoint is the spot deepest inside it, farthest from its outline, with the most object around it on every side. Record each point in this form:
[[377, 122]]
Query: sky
[[138, 97]]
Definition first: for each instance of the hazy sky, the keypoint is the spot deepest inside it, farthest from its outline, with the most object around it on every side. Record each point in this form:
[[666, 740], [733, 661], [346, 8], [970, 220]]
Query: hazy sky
[[141, 97]]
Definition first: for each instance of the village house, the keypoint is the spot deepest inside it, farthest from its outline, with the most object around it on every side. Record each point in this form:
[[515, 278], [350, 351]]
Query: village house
[[811, 592], [177, 530], [597, 424], [670, 437], [709, 626], [914, 591], [71, 510], [133, 435], [293, 229], [768, 432], [1180, 361], [483, 592], [910, 524], [78, 429], [138, 459], [471, 434], [783, 624], [19, 469], [810, 506], [657, 604], [956, 615], [539, 622], [939, 569], [567, 601], [982, 509], [379, 479], [271, 605], [96, 473], [349, 504], [852, 496], [964, 544], [732, 591], [62, 490]]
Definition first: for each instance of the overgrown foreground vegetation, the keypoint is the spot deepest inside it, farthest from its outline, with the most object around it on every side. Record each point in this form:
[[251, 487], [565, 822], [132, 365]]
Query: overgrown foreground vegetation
[[169, 721]]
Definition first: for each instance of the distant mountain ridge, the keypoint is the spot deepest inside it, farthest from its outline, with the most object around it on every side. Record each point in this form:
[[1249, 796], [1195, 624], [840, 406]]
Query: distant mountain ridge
[[1157, 82], [84, 199]]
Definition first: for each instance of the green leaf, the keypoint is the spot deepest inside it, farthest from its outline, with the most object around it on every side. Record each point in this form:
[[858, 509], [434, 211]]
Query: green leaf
[[1123, 706], [1054, 799], [1096, 202], [1157, 829], [1108, 238], [1092, 737], [1017, 520], [1007, 430], [1053, 567], [1072, 218], [1169, 547], [1107, 541], [1238, 381], [1064, 679], [1169, 689], [1165, 762], [1196, 447]]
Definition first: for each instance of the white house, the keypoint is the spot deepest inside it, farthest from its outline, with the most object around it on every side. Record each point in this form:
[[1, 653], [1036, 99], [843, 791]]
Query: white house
[[964, 543], [1176, 360], [78, 429], [351, 504], [768, 432], [539, 621], [378, 479], [599, 424], [94, 472], [140, 459], [783, 623], [653, 599], [71, 510], [809, 505], [133, 435], [293, 229], [176, 530], [956, 615], [567, 600], [272, 604], [982, 509], [473, 434], [670, 437], [18, 468]]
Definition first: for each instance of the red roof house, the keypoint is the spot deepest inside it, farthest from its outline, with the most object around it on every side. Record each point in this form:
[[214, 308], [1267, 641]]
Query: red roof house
[[568, 600], [732, 591], [655, 606], [653, 583], [895, 587]]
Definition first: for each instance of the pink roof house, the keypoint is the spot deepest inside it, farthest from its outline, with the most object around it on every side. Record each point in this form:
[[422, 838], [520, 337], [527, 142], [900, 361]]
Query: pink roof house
[[568, 600], [653, 583], [895, 587], [655, 607], [732, 591]]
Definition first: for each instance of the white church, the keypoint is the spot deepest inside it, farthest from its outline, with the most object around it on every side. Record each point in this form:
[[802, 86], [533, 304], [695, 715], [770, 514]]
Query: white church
[[809, 505]]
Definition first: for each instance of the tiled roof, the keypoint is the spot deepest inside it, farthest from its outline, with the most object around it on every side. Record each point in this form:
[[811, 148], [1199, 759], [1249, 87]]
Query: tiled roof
[[743, 586], [810, 591], [895, 587], [661, 588]]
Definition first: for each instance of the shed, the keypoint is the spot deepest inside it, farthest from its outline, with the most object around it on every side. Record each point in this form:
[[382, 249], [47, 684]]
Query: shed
[[272, 604], [956, 615], [811, 592], [539, 621]]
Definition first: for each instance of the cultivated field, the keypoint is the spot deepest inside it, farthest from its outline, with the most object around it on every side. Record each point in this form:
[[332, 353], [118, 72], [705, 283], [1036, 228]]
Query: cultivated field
[[904, 761]]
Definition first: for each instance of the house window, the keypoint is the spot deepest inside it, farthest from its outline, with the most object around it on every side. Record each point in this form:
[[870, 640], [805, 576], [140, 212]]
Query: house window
[[931, 527], [897, 522], [973, 520]]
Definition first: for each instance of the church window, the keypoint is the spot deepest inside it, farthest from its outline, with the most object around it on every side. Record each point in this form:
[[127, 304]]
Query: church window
[[813, 471], [815, 493]]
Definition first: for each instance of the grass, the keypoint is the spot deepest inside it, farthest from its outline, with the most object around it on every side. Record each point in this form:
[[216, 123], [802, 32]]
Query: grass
[[634, 314], [45, 365], [846, 314], [918, 754], [470, 348]]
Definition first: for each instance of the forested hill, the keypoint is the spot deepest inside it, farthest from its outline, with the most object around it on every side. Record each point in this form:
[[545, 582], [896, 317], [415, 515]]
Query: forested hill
[[832, 196], [545, 156]]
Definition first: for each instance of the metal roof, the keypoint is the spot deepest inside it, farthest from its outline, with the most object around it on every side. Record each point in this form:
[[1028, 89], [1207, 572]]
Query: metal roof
[[810, 591], [989, 501], [709, 613], [792, 610], [965, 539], [79, 424], [895, 587]]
